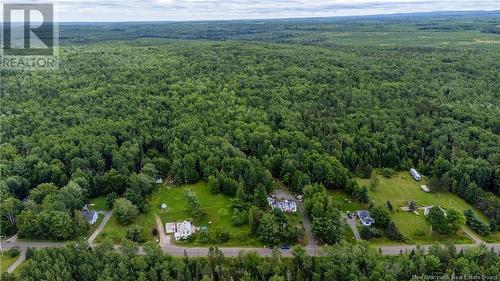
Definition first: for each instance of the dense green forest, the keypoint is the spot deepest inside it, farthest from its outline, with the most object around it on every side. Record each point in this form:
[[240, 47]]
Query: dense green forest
[[340, 262], [244, 114]]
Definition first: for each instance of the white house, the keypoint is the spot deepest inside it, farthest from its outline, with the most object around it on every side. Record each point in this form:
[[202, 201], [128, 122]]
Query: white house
[[415, 174], [184, 230]]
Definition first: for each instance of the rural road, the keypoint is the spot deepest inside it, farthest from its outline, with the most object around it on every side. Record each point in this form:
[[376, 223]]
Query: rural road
[[203, 251], [311, 249]]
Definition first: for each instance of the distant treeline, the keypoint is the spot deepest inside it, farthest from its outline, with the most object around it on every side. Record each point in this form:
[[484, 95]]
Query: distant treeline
[[279, 31]]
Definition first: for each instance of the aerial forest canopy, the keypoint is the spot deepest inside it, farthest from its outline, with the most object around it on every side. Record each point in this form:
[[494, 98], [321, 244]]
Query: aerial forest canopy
[[242, 116]]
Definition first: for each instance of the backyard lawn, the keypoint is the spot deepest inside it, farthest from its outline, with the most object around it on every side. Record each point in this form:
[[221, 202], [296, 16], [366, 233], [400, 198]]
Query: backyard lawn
[[401, 188], [216, 208], [99, 204], [345, 202]]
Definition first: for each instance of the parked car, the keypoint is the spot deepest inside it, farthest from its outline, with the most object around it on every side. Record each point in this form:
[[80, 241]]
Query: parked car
[[285, 247]]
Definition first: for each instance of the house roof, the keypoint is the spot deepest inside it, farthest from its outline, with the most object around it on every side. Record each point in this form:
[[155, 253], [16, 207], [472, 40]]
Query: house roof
[[89, 215], [364, 216]]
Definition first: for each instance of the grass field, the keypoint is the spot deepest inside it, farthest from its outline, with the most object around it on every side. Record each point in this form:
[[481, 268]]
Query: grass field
[[216, 207], [492, 238], [6, 261], [116, 231], [417, 230], [402, 188], [345, 202], [19, 268], [99, 204], [407, 36]]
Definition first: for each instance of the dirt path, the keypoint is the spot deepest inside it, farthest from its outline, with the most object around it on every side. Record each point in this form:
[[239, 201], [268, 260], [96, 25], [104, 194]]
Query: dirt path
[[283, 194], [20, 260], [474, 237], [311, 246], [352, 225], [92, 237], [164, 238]]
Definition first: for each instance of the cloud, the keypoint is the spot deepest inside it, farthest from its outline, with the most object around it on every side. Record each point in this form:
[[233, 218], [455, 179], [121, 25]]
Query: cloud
[[174, 10]]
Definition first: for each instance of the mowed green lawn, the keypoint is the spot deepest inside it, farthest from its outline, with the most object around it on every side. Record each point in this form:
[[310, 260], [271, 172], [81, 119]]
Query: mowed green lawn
[[417, 230], [116, 231], [99, 204], [345, 202], [217, 209], [402, 188], [6, 261]]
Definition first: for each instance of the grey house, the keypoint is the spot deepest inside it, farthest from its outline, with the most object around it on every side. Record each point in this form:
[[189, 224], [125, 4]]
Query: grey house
[[90, 216], [364, 217]]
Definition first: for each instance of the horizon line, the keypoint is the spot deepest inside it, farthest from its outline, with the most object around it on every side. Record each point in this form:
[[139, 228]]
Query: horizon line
[[444, 12]]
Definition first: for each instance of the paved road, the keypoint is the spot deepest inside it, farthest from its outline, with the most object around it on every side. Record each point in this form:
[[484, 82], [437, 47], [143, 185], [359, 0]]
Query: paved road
[[13, 266], [107, 215], [175, 250]]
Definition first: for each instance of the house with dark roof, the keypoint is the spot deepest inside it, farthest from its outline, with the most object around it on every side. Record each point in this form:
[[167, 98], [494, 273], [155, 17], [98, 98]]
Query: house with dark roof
[[364, 217], [90, 216]]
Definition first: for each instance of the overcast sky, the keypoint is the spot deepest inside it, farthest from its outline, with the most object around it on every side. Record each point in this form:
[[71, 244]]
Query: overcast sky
[[174, 10]]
